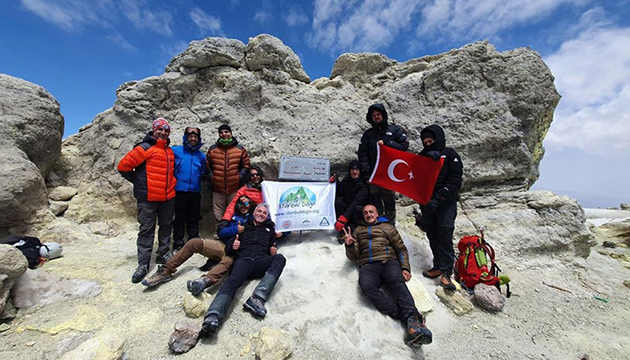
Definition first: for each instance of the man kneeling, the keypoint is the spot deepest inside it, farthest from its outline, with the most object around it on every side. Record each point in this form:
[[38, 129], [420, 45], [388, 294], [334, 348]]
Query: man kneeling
[[378, 249], [256, 256]]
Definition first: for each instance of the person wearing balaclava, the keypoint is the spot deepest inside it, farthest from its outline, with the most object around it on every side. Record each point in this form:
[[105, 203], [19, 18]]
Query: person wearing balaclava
[[385, 134], [228, 164], [150, 167], [438, 215], [190, 165]]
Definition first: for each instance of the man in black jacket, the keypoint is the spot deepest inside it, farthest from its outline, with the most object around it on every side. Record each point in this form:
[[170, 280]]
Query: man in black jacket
[[438, 215], [256, 256], [351, 195], [381, 134]]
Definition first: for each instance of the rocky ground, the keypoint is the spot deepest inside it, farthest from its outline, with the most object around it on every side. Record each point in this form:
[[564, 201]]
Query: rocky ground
[[87, 308]]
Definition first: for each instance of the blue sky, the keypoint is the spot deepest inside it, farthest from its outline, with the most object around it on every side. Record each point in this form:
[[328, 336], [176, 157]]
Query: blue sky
[[81, 51]]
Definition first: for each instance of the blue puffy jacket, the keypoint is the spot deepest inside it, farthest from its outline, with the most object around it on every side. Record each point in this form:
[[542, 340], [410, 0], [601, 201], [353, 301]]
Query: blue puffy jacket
[[231, 229], [190, 164]]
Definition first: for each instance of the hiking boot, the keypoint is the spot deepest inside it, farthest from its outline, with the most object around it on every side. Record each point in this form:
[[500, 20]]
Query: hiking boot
[[256, 306], [446, 282], [432, 273], [162, 259], [196, 286], [417, 332], [162, 275], [139, 274], [210, 326]]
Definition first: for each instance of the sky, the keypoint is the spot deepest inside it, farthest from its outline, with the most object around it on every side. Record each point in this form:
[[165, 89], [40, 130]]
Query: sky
[[82, 50]]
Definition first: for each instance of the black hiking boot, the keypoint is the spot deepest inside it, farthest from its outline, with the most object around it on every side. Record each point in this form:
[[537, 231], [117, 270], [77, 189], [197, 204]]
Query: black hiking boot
[[197, 286], [210, 326], [417, 332], [162, 275], [162, 259], [256, 306], [139, 274], [447, 283]]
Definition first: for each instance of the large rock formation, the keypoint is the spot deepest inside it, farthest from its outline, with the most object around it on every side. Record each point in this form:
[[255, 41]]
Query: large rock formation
[[30, 142], [494, 106]]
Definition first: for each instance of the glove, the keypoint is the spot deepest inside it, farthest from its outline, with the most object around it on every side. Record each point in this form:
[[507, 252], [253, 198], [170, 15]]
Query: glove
[[444, 193], [431, 206], [341, 223], [333, 178], [433, 154]]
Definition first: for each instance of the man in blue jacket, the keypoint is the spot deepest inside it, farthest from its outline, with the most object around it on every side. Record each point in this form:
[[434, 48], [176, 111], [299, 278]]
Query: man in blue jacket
[[190, 164]]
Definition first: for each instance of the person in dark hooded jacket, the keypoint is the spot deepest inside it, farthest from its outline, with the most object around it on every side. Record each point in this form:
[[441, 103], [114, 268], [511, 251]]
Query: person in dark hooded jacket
[[438, 215], [352, 194], [381, 134], [190, 165]]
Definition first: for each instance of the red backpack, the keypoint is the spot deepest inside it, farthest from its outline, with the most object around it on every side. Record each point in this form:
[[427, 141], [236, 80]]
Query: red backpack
[[475, 263]]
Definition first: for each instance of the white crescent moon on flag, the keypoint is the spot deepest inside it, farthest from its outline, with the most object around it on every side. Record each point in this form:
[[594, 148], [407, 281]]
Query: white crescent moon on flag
[[392, 166]]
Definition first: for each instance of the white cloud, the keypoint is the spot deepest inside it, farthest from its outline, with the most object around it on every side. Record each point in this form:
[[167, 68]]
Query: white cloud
[[142, 17], [295, 18], [457, 20], [593, 75], [119, 40], [262, 16], [206, 22], [351, 25], [70, 15]]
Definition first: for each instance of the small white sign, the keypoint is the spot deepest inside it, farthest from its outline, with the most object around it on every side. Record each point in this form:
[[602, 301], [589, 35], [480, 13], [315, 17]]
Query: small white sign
[[304, 169]]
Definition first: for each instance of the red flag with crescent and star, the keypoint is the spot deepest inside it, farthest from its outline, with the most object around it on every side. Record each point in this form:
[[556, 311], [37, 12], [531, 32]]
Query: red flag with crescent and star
[[409, 174]]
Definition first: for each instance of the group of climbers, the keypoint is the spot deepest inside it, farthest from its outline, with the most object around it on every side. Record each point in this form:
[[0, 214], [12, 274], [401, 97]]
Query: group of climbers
[[167, 184]]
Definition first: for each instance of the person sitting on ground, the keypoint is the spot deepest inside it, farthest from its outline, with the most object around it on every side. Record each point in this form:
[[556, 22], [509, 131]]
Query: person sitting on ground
[[212, 249], [256, 256], [382, 257], [351, 195], [251, 189]]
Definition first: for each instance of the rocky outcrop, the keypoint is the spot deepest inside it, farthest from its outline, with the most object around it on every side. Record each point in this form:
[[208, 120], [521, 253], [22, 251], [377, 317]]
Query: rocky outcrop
[[30, 142], [12, 265]]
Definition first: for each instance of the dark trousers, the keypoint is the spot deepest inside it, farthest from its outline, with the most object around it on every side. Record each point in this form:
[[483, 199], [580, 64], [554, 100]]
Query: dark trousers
[[385, 202], [147, 212], [356, 214], [252, 268], [373, 275], [439, 226], [187, 216]]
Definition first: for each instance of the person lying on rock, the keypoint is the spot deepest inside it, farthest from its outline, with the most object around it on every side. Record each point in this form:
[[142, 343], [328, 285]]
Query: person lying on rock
[[382, 257], [351, 195], [149, 166], [256, 256], [212, 249]]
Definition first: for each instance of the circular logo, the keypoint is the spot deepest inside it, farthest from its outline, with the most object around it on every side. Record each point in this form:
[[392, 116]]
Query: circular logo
[[286, 224]]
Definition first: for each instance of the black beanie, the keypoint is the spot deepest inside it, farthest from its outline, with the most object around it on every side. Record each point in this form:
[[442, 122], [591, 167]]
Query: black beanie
[[225, 127], [427, 133], [354, 164]]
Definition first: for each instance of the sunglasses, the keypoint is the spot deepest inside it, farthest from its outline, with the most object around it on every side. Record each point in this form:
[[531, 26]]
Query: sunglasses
[[192, 133], [244, 203], [164, 128], [254, 174]]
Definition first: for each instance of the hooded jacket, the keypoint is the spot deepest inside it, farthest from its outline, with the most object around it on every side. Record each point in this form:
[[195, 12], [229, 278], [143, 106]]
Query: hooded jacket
[[229, 166], [226, 231], [378, 242], [352, 192], [449, 181], [392, 136], [150, 167], [190, 164], [256, 240]]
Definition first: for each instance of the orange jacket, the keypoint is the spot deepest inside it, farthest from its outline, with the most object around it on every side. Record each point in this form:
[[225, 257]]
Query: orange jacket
[[250, 191], [229, 165], [150, 167]]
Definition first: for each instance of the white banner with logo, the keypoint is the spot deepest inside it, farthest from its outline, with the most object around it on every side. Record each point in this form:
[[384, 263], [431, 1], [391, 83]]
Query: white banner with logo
[[300, 205]]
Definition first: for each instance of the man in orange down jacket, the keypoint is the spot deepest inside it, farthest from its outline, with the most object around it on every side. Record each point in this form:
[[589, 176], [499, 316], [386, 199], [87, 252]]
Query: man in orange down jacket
[[228, 164], [150, 167]]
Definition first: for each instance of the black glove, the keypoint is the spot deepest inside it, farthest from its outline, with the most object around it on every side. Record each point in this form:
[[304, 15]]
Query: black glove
[[418, 218], [444, 194], [432, 205], [433, 154]]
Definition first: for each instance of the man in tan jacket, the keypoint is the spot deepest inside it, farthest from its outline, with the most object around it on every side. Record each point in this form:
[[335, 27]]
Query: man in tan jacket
[[380, 252]]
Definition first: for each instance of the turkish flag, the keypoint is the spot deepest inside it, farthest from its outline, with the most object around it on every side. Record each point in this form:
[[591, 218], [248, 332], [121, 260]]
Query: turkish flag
[[409, 174]]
